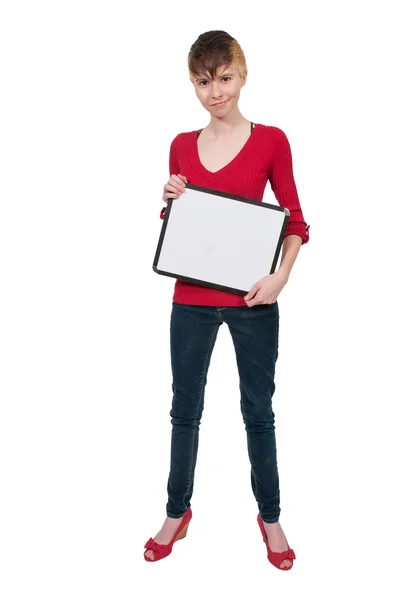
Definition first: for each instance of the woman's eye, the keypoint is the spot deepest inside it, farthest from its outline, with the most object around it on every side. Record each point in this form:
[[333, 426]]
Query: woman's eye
[[204, 82]]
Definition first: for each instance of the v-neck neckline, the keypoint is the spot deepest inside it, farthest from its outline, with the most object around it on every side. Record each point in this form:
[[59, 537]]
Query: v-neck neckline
[[216, 175]]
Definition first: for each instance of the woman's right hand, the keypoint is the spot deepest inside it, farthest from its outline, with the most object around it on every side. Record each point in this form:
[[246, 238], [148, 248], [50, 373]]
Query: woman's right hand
[[174, 187]]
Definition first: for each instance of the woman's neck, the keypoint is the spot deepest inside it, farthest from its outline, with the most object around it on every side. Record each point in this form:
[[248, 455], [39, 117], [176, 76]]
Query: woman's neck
[[231, 126]]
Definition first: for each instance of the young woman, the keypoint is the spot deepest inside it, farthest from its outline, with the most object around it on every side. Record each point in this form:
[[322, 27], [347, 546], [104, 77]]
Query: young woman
[[235, 156]]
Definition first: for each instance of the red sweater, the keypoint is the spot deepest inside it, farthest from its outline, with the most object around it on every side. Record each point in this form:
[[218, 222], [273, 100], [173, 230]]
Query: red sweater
[[265, 156]]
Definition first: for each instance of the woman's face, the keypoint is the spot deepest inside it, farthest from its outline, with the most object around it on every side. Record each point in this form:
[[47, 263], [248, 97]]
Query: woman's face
[[220, 95]]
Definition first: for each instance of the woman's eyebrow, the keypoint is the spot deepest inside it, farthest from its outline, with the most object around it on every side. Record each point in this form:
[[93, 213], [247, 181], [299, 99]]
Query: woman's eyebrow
[[219, 76]]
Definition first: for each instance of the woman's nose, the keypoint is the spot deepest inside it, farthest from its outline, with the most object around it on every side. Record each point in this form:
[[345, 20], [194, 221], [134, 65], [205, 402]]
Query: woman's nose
[[215, 91]]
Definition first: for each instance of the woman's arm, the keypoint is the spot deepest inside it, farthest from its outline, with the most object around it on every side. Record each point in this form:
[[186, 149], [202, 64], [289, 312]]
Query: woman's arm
[[291, 247], [267, 289], [284, 187], [173, 167]]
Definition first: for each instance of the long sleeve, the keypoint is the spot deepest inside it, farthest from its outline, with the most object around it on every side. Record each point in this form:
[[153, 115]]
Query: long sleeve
[[173, 168], [283, 185]]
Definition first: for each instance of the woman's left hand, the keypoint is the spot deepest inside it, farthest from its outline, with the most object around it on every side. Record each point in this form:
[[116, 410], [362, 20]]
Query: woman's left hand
[[266, 290]]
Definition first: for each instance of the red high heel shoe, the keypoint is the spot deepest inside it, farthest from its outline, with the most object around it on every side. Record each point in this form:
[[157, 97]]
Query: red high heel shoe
[[162, 550], [276, 558]]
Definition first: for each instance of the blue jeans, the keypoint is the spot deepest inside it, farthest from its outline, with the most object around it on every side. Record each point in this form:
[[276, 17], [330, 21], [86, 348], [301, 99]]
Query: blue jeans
[[193, 333]]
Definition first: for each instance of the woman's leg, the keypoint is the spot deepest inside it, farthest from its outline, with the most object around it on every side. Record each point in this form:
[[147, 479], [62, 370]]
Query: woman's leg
[[254, 332], [193, 333]]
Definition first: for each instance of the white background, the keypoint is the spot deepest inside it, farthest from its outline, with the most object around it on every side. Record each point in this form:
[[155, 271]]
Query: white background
[[92, 95]]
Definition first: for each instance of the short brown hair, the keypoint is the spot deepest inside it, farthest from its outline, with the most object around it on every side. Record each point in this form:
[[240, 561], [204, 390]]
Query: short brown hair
[[212, 50]]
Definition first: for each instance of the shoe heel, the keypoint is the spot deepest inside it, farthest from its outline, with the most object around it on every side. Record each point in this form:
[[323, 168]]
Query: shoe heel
[[182, 533]]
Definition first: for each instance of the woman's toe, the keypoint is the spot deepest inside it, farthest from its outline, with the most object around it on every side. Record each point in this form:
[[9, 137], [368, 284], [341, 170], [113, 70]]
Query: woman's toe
[[149, 554], [285, 564]]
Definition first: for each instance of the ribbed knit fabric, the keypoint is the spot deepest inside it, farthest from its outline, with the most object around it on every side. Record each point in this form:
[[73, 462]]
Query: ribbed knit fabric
[[265, 156]]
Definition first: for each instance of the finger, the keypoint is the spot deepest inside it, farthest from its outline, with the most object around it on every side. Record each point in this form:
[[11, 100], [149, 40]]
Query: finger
[[253, 291], [178, 183], [182, 180], [168, 188], [169, 191], [173, 188]]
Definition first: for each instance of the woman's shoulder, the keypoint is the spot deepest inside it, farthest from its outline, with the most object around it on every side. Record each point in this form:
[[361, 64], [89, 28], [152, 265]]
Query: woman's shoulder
[[182, 137], [272, 136], [270, 130]]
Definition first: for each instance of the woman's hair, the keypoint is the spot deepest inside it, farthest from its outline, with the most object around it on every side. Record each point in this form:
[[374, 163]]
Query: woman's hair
[[212, 50]]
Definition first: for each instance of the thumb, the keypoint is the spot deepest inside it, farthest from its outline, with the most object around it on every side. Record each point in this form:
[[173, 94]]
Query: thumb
[[252, 292], [183, 177]]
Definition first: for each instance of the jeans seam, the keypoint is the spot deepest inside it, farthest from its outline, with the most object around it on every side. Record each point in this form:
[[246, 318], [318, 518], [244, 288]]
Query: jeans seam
[[199, 401]]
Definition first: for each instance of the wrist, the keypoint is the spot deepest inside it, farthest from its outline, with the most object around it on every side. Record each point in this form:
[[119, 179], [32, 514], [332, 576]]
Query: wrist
[[283, 274]]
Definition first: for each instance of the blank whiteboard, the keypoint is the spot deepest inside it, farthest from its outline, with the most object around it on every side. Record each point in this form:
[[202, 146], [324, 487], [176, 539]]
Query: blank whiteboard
[[219, 240]]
